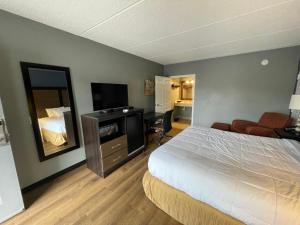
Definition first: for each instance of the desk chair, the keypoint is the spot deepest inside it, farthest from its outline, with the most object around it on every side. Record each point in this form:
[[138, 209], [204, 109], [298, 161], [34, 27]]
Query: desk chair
[[163, 126]]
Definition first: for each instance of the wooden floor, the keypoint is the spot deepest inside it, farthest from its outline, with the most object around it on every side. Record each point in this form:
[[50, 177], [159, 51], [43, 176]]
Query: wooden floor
[[181, 124], [80, 197]]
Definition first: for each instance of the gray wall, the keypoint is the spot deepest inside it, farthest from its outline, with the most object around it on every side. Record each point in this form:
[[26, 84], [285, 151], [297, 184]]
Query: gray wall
[[239, 87], [25, 40]]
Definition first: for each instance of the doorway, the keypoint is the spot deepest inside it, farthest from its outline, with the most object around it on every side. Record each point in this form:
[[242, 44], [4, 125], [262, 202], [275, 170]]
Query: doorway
[[182, 100], [177, 93]]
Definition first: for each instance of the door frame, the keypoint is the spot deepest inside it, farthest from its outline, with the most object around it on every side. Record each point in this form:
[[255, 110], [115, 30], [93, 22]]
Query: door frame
[[194, 91]]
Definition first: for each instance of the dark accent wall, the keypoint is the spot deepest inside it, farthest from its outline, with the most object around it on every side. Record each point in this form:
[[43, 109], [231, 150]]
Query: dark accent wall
[[239, 86], [26, 40]]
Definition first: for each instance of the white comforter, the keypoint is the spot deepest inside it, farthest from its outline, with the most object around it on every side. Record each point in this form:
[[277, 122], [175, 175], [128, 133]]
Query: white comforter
[[254, 179]]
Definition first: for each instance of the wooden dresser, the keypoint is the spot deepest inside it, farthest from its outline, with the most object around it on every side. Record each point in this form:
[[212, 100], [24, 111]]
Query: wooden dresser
[[111, 139]]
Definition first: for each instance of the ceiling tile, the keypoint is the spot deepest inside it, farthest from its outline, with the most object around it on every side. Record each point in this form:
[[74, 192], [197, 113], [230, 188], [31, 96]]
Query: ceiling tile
[[70, 15], [155, 19], [171, 31], [260, 23], [279, 40]]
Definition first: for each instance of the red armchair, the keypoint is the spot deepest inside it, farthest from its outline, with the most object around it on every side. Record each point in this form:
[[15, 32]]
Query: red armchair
[[265, 126]]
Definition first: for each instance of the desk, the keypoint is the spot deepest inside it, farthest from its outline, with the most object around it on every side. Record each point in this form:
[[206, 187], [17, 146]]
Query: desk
[[149, 120]]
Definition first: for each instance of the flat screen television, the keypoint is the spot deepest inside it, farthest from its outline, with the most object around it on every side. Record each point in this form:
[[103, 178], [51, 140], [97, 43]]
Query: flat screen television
[[109, 96]]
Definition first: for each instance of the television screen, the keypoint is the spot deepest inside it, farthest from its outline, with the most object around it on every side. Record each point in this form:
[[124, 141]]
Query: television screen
[[108, 96]]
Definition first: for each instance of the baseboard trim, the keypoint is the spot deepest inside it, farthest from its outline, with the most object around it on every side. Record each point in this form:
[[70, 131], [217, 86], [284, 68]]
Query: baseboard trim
[[52, 177]]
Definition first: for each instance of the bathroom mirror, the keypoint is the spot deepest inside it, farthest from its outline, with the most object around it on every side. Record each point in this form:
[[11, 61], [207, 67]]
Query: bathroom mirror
[[51, 107], [187, 90]]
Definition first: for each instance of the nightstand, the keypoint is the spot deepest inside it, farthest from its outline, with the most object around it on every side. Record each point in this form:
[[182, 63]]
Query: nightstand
[[287, 135]]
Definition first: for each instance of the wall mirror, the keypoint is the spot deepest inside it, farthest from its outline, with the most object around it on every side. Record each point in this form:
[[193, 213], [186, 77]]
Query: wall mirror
[[51, 107], [187, 90]]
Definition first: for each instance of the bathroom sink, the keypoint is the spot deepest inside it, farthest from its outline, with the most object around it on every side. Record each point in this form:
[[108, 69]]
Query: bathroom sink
[[184, 103]]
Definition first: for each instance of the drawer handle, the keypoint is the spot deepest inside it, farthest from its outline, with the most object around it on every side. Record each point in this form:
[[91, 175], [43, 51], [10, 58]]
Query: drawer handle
[[116, 146], [116, 158]]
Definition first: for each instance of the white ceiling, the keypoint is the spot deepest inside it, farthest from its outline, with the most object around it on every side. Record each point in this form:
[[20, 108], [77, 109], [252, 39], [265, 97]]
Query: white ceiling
[[172, 31]]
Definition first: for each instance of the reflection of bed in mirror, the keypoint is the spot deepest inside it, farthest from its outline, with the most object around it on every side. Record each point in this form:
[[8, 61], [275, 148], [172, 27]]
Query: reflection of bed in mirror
[[53, 130], [51, 107], [54, 118]]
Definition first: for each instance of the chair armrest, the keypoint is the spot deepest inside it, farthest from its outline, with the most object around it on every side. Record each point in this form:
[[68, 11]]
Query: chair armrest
[[260, 131], [241, 125]]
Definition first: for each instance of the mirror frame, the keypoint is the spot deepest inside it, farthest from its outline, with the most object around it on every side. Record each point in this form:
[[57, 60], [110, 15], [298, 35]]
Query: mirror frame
[[32, 108]]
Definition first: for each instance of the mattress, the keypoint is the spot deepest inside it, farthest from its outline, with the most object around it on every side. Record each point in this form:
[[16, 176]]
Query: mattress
[[253, 179], [53, 130]]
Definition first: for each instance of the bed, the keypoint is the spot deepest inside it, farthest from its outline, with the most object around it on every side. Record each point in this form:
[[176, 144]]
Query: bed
[[53, 130], [207, 176]]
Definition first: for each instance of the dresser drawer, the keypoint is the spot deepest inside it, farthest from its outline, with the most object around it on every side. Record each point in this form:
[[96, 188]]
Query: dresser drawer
[[112, 146], [114, 158]]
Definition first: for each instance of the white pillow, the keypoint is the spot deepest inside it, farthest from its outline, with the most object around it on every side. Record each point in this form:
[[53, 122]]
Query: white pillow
[[52, 112], [66, 109], [57, 112]]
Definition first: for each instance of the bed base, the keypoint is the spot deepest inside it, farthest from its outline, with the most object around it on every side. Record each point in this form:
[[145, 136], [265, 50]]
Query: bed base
[[181, 206]]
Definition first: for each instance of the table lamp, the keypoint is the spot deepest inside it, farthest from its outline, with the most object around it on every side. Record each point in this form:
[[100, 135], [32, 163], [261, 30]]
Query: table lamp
[[295, 105]]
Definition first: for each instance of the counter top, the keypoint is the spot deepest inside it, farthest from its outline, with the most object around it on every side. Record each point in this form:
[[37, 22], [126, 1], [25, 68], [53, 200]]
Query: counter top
[[184, 103]]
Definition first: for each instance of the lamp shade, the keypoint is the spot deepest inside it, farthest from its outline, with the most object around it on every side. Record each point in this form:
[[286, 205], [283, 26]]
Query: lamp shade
[[295, 102]]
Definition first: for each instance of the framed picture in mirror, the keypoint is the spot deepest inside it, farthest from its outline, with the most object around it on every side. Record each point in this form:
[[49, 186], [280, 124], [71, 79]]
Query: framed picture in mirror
[[51, 107]]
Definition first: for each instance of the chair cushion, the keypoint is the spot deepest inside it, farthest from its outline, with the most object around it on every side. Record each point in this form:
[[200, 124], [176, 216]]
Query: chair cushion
[[275, 120], [221, 126], [240, 126], [260, 131]]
